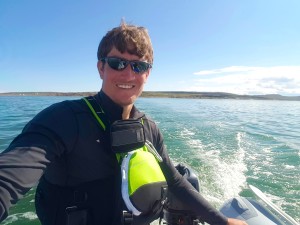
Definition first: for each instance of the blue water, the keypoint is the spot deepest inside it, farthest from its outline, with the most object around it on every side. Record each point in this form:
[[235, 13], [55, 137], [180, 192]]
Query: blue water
[[229, 144]]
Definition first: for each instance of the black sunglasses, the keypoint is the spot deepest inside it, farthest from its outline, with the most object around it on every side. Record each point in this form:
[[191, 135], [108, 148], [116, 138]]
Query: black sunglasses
[[120, 64]]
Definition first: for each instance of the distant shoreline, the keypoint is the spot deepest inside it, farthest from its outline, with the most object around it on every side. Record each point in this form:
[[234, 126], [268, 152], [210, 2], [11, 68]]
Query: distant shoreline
[[167, 94]]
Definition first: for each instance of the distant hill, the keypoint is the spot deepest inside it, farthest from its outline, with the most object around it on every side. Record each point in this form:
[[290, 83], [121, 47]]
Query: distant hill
[[216, 95], [47, 93], [167, 94]]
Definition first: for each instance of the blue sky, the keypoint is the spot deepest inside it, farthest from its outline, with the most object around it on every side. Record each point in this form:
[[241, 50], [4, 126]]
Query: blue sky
[[243, 47]]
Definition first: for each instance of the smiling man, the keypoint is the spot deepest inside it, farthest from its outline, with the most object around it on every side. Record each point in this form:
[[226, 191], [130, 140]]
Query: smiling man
[[68, 148], [123, 76]]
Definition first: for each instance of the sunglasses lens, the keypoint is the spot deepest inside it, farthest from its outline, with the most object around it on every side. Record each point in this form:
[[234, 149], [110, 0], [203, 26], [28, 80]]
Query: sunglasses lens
[[117, 64], [121, 64], [139, 67]]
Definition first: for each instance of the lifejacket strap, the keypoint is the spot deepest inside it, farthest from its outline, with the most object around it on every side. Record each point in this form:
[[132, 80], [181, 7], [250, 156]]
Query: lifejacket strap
[[89, 103], [152, 149]]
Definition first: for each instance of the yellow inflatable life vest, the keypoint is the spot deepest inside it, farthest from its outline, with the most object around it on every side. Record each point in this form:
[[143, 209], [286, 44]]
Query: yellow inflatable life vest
[[142, 179]]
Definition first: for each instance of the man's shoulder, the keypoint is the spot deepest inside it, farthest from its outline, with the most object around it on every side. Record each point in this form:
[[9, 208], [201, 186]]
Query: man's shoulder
[[75, 105], [62, 110], [149, 120], [151, 124]]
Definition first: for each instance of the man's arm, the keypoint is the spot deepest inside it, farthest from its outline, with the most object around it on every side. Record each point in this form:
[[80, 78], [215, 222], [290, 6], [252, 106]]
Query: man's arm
[[20, 170], [27, 157]]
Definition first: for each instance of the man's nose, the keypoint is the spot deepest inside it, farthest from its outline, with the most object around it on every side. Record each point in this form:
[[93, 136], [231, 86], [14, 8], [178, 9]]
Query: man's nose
[[128, 73]]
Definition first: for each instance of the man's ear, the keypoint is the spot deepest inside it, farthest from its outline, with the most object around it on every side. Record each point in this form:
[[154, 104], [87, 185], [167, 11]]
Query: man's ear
[[147, 75], [100, 67]]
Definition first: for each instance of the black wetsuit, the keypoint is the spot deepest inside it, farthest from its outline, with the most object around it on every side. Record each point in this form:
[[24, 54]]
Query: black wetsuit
[[65, 148]]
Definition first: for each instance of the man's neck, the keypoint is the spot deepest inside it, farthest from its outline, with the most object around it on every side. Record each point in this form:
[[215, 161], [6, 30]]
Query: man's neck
[[126, 112]]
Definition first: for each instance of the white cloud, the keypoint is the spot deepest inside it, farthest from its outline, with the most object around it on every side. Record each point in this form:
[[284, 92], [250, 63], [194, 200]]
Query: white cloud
[[230, 69], [284, 80]]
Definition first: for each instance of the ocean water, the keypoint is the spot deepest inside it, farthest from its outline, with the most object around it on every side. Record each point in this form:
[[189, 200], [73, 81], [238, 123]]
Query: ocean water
[[228, 143]]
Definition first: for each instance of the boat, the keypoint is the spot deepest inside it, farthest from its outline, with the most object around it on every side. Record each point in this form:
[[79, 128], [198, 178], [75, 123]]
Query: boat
[[255, 211]]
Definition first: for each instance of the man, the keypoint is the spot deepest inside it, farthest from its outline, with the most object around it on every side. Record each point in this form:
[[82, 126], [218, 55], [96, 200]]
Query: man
[[66, 150]]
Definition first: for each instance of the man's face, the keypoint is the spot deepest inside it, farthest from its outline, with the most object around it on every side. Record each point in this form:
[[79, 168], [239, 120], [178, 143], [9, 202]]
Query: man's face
[[124, 86]]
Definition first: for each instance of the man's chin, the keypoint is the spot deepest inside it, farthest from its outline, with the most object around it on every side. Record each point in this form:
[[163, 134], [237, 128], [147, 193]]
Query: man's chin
[[127, 101]]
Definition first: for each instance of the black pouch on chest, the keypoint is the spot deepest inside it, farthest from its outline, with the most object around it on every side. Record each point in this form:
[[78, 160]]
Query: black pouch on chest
[[127, 135]]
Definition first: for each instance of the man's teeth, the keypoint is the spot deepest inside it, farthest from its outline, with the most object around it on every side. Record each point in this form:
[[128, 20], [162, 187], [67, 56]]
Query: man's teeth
[[126, 86]]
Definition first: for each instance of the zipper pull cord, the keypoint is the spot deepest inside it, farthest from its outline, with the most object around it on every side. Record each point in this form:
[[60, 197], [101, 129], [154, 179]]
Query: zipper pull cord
[[152, 149]]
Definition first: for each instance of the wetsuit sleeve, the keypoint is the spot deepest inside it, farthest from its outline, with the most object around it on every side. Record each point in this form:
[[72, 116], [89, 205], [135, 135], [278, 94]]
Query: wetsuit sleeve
[[25, 160], [183, 190]]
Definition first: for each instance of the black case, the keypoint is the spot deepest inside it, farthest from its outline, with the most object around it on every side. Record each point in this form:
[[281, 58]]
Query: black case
[[127, 135]]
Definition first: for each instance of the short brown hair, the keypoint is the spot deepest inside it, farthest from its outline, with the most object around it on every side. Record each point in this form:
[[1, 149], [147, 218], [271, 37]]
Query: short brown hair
[[127, 38]]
